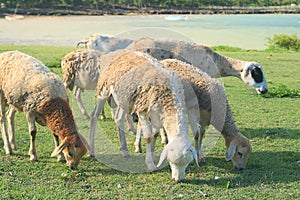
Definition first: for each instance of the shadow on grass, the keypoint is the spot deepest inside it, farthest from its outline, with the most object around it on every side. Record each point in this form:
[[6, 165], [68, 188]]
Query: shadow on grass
[[274, 133], [264, 168]]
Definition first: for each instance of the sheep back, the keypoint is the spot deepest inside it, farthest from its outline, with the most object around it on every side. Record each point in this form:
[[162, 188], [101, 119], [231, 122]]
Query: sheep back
[[80, 65], [143, 87], [115, 65], [26, 82]]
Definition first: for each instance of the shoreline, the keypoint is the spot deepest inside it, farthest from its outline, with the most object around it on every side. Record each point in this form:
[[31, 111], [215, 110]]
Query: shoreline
[[118, 10]]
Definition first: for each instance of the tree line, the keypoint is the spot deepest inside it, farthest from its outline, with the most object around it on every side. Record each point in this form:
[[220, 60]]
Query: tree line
[[178, 4]]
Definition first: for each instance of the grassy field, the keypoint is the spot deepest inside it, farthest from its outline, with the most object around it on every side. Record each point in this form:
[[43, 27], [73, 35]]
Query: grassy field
[[271, 123]]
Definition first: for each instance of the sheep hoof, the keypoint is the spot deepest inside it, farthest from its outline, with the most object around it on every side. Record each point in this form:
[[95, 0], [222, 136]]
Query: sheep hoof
[[91, 155], [126, 156], [33, 160], [14, 146], [201, 159], [8, 151], [10, 154], [138, 151], [132, 131], [151, 167]]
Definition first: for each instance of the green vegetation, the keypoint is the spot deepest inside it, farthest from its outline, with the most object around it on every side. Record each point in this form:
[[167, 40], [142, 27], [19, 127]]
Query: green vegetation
[[96, 4], [283, 91], [272, 125], [284, 41]]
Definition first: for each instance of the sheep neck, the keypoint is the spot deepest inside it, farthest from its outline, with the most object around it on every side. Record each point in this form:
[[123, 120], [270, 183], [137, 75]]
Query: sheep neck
[[174, 123], [228, 66], [59, 117], [230, 128]]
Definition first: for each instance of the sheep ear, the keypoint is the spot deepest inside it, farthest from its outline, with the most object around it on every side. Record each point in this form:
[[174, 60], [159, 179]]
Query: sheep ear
[[163, 156], [60, 148], [194, 155], [231, 151]]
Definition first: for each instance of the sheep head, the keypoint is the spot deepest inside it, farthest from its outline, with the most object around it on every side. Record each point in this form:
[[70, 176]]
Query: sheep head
[[73, 147], [253, 75], [238, 151], [60, 121], [179, 153]]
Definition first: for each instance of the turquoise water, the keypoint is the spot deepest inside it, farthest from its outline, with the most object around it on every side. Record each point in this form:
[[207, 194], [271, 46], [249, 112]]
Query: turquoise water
[[245, 31]]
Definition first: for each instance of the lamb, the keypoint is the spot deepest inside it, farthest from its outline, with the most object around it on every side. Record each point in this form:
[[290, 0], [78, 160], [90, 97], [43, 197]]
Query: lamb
[[213, 109], [27, 85], [201, 56], [80, 72], [137, 83]]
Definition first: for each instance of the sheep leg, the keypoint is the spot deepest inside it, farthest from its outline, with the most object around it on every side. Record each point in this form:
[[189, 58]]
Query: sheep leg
[[77, 93], [198, 134], [7, 147], [10, 115], [60, 157], [199, 152], [113, 109], [119, 119], [130, 124], [94, 117], [153, 143], [147, 131], [32, 131], [138, 140], [163, 135], [113, 106]]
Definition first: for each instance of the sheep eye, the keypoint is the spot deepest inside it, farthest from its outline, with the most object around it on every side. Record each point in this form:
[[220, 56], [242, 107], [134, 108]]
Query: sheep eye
[[240, 154]]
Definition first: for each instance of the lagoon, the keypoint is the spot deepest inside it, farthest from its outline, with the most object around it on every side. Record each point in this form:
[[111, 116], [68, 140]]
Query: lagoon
[[244, 31]]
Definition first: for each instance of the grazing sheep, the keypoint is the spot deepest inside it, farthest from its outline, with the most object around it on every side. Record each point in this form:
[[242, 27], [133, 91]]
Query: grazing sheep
[[207, 60], [201, 56], [81, 69], [27, 85], [80, 72], [138, 84], [105, 44], [214, 109]]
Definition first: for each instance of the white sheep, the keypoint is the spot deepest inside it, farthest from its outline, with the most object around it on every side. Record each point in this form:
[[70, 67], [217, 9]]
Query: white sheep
[[80, 72], [138, 83], [105, 44], [81, 69], [213, 109], [204, 58], [201, 56], [27, 85]]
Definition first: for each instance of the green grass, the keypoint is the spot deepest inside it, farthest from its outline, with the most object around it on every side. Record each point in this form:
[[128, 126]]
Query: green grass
[[272, 125]]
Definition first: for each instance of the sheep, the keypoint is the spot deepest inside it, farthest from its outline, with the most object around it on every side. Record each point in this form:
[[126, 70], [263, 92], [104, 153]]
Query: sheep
[[137, 83], [81, 69], [105, 44], [80, 72], [201, 56], [204, 58], [213, 109], [28, 86]]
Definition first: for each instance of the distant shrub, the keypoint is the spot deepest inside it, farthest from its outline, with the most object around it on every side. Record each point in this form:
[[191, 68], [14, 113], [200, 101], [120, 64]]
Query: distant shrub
[[284, 41]]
